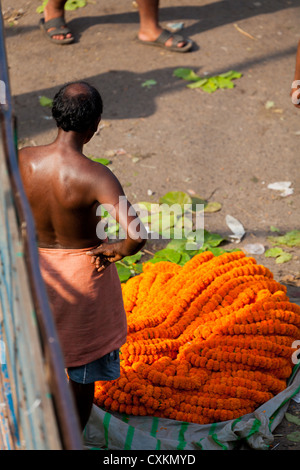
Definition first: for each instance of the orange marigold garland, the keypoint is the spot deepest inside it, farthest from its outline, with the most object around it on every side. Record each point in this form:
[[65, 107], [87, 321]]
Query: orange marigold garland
[[208, 341]]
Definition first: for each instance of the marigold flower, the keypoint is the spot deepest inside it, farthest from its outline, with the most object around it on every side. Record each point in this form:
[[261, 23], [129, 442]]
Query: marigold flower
[[208, 341]]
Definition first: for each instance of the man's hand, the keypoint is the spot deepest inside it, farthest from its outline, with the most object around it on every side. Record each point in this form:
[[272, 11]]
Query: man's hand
[[106, 254]]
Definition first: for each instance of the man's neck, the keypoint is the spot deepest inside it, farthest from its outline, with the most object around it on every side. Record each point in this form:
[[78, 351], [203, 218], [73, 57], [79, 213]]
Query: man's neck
[[71, 139]]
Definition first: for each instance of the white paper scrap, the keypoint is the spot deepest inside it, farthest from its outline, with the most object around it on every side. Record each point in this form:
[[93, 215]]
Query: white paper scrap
[[236, 227], [283, 186], [254, 248]]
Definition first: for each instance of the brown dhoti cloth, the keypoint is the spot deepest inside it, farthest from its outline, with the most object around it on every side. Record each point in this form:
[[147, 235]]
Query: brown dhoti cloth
[[87, 306]]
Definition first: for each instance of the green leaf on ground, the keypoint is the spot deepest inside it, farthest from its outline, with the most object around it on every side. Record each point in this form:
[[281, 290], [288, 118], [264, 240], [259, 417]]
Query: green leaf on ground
[[273, 252], [128, 266], [207, 84], [74, 4], [176, 197], [231, 74], [147, 206], [213, 207], [198, 201], [177, 245], [123, 272], [41, 8], [45, 102], [212, 239], [292, 418], [149, 83], [294, 436], [284, 258], [130, 260], [290, 239], [70, 5], [103, 161], [162, 222], [187, 74], [274, 229], [278, 253], [167, 254], [178, 251]]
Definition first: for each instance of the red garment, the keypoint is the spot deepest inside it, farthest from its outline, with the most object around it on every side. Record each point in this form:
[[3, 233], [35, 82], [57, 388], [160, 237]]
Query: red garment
[[87, 306]]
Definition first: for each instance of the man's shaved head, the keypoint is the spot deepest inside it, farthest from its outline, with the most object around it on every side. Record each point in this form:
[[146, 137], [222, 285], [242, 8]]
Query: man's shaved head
[[76, 88], [77, 107]]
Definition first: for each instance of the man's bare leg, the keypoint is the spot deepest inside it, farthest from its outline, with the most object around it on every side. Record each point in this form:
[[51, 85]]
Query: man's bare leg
[[149, 30], [55, 9], [296, 83], [83, 396], [149, 22]]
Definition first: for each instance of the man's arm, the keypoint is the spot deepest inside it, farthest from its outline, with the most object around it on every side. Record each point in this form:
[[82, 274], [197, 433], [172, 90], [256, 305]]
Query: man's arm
[[110, 194]]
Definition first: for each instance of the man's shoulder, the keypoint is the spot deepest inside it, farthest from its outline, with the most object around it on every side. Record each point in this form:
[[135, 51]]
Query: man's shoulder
[[25, 155], [30, 151], [94, 173], [25, 150], [96, 167]]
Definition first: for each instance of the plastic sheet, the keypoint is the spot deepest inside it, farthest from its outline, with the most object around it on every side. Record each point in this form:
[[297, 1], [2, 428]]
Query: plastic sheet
[[252, 431]]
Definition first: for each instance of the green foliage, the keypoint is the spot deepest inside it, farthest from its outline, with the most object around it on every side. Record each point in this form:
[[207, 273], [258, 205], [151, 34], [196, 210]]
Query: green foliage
[[103, 161], [180, 251], [290, 239], [45, 102], [292, 418], [70, 5], [175, 197], [207, 84], [41, 8], [177, 251], [278, 253], [128, 267], [294, 436], [175, 210], [167, 254], [74, 4], [174, 214], [149, 83]]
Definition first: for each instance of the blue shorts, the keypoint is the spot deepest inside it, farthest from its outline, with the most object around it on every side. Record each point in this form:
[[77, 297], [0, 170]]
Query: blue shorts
[[105, 368]]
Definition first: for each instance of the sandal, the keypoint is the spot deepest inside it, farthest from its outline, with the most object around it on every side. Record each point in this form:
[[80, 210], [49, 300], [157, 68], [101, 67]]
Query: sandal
[[60, 29], [164, 36]]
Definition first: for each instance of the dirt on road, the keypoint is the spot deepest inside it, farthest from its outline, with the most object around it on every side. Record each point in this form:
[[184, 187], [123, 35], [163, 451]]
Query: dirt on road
[[227, 146]]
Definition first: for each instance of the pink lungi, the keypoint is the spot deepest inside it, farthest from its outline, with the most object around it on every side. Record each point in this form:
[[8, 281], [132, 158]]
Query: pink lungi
[[87, 306]]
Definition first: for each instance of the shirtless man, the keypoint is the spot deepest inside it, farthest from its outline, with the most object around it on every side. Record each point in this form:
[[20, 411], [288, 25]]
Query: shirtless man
[[150, 31], [64, 189]]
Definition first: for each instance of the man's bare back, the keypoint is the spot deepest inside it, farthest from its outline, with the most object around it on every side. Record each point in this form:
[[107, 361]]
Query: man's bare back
[[60, 189]]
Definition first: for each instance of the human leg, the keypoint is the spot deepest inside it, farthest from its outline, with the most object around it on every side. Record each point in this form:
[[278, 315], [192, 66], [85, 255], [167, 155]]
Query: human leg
[[54, 21], [83, 378], [150, 29], [83, 396]]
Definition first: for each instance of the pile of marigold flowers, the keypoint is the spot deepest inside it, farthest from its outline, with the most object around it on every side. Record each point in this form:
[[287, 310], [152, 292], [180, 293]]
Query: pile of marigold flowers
[[208, 341]]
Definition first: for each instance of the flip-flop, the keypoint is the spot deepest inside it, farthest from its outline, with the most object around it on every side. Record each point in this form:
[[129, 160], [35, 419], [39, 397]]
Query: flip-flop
[[163, 38], [60, 29]]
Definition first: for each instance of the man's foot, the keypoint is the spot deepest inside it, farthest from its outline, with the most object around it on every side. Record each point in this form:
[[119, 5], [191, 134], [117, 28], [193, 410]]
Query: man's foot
[[54, 25], [167, 40], [57, 31]]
